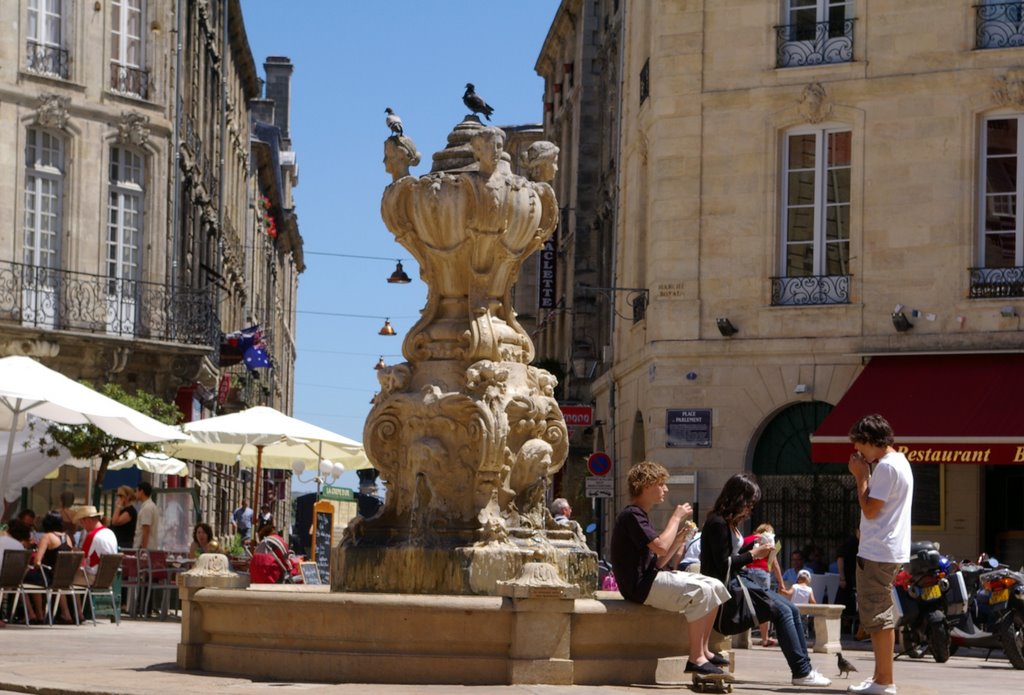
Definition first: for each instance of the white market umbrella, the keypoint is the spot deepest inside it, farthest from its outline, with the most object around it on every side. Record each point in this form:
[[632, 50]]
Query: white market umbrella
[[265, 437], [26, 386]]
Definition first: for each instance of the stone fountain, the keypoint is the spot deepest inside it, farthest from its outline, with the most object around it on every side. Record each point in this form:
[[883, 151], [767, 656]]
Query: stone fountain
[[465, 433], [463, 576]]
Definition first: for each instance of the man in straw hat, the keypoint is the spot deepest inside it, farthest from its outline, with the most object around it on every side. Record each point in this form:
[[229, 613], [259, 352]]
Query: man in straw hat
[[99, 540]]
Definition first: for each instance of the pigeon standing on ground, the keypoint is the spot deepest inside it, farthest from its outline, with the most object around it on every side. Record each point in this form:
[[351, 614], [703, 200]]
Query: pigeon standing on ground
[[474, 103], [393, 121], [844, 666]]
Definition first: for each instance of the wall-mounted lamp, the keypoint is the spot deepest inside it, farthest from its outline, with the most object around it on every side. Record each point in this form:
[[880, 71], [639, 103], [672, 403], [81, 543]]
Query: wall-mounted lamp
[[900, 321], [386, 329], [802, 388], [725, 327], [399, 277], [380, 364], [1008, 312]]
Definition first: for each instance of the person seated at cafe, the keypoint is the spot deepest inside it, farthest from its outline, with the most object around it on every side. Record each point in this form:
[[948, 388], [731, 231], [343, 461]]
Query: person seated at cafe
[[18, 536], [270, 558], [54, 540], [99, 540], [202, 541]]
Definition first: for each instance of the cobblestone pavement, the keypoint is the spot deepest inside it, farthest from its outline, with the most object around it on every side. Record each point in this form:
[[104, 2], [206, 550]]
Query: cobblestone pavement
[[138, 657]]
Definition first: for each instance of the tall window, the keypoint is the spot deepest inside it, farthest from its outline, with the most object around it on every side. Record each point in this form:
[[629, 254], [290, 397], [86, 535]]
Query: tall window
[[815, 32], [816, 224], [44, 189], [124, 239], [124, 214], [127, 50], [45, 52], [1002, 194]]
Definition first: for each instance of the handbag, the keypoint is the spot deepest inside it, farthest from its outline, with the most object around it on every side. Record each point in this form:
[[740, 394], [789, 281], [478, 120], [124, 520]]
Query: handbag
[[739, 614]]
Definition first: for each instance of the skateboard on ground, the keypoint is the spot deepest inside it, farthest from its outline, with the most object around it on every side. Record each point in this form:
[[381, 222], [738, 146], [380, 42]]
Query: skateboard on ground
[[712, 684]]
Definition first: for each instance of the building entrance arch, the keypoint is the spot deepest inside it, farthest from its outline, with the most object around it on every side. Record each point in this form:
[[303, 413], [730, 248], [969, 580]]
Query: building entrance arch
[[810, 505]]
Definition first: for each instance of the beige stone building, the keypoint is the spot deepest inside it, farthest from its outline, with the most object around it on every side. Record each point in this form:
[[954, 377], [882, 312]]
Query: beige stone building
[[817, 193], [147, 209]]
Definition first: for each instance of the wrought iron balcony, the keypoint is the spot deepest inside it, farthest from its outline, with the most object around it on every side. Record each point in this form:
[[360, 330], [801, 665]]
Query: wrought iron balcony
[[989, 283], [809, 290], [47, 60], [1000, 25], [821, 43], [129, 80], [49, 298]]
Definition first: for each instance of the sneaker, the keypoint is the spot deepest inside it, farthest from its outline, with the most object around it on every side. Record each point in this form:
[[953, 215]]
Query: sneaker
[[812, 679], [705, 669], [870, 687], [719, 659]]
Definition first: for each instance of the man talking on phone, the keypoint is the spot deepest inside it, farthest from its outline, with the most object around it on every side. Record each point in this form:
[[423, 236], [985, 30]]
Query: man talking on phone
[[885, 497]]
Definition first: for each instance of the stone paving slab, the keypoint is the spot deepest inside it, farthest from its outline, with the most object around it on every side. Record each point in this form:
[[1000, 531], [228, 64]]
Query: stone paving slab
[[138, 657]]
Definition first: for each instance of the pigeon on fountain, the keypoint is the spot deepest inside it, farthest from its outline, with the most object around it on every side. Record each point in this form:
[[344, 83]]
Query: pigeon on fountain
[[474, 103], [393, 121]]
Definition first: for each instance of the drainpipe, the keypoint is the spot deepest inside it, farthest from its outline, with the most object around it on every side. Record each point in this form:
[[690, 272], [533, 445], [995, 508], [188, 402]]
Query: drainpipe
[[176, 192], [223, 133]]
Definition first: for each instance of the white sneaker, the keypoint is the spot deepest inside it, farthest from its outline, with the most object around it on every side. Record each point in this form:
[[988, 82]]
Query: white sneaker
[[813, 679], [870, 687]]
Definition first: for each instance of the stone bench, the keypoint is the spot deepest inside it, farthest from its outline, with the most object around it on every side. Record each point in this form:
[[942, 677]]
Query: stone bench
[[827, 619]]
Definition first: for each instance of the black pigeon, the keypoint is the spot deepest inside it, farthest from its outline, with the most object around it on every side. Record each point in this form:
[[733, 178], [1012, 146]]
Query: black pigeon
[[475, 104], [844, 666], [393, 121]]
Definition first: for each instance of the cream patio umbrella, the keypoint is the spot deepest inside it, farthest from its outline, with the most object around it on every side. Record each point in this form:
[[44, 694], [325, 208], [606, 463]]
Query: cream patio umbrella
[[263, 437], [26, 386]]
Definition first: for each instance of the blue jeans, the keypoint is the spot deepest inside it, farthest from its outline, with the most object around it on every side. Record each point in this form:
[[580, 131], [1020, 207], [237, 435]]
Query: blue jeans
[[790, 633]]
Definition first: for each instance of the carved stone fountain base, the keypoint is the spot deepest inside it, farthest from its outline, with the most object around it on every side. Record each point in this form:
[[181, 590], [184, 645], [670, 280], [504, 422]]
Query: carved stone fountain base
[[463, 571], [298, 633]]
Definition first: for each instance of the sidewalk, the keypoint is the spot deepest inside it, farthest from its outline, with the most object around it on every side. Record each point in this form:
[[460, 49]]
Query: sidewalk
[[138, 657]]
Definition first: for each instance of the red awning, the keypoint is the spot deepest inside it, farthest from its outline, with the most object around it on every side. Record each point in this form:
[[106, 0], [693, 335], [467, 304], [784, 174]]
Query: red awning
[[943, 408]]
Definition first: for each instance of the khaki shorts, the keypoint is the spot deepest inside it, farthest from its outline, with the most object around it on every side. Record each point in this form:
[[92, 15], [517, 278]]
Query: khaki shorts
[[693, 595], [874, 594]]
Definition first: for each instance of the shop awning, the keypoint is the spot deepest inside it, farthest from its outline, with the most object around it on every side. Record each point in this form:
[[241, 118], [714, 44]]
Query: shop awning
[[943, 408]]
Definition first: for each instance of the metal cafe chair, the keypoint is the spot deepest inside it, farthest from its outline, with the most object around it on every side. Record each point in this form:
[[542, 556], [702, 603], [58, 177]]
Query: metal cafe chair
[[160, 580], [12, 576], [63, 582], [103, 585], [134, 578]]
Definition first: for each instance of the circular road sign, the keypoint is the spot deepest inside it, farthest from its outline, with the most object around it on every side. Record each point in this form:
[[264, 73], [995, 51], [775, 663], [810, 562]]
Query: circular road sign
[[599, 463]]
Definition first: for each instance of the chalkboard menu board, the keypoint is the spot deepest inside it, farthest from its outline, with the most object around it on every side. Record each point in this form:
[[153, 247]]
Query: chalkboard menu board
[[310, 572], [927, 506], [323, 531]]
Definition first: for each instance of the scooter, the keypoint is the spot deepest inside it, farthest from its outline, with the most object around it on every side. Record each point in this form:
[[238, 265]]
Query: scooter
[[929, 594], [995, 617]]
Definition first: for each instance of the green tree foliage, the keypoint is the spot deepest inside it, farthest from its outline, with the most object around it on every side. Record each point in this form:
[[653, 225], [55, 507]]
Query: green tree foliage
[[90, 442]]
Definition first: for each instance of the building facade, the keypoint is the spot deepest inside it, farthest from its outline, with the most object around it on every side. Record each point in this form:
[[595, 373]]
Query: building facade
[[139, 196], [809, 191]]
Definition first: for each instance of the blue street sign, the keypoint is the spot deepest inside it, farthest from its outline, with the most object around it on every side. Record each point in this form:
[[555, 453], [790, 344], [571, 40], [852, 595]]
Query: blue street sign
[[599, 463]]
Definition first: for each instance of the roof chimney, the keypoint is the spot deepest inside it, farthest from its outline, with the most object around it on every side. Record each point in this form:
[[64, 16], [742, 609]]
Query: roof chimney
[[279, 90]]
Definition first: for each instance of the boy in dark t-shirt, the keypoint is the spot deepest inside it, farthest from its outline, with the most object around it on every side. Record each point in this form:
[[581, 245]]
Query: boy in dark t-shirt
[[640, 553]]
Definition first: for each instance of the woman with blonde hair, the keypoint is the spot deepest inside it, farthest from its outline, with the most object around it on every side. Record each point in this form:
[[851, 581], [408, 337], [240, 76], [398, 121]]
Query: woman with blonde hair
[[125, 516]]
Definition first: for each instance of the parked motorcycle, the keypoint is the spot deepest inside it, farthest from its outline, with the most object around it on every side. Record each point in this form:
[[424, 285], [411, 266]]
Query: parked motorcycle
[[929, 594], [995, 616]]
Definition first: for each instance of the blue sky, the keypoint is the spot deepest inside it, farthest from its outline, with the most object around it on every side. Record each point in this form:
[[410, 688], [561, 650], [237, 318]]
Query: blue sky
[[352, 59]]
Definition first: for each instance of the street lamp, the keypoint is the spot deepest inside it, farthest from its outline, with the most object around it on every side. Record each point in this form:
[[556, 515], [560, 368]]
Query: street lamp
[[329, 473]]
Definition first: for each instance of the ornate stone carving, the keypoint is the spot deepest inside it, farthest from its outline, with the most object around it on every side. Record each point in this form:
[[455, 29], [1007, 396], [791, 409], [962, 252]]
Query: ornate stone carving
[[133, 129], [53, 111], [1009, 89], [815, 104], [211, 565], [466, 434]]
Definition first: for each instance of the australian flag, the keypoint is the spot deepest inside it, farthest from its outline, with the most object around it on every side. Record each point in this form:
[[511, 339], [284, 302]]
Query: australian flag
[[256, 357], [235, 346]]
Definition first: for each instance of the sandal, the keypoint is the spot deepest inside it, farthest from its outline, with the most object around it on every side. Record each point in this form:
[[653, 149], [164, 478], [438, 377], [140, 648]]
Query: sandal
[[769, 642]]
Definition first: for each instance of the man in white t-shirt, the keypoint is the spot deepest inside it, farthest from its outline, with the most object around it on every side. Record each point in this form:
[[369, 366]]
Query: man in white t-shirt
[[147, 526], [885, 498]]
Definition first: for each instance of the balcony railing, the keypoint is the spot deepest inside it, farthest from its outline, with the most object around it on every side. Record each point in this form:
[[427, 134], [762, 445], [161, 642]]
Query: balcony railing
[[47, 60], [989, 283], [821, 43], [48, 298], [808, 290], [128, 80], [1000, 25]]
